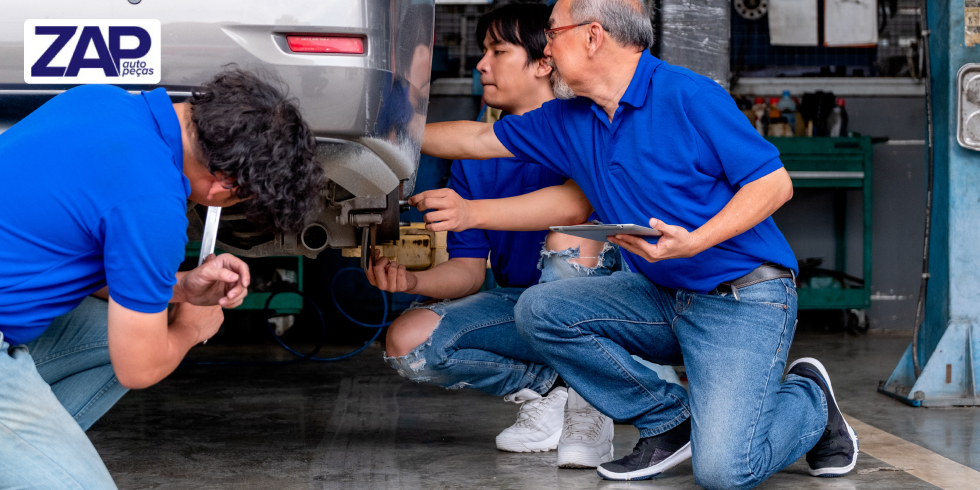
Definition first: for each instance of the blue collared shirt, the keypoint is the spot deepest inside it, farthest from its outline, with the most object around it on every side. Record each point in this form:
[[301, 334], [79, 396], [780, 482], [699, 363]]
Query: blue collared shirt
[[514, 255], [93, 194], [677, 149]]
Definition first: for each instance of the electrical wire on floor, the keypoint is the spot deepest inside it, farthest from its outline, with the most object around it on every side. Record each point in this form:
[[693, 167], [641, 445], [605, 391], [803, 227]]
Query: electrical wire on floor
[[311, 356]]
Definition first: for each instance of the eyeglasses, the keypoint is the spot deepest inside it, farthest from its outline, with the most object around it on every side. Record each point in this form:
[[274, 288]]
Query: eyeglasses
[[551, 33]]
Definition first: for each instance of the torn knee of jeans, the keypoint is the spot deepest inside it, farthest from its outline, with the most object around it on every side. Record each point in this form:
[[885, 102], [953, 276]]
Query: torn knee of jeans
[[413, 364], [573, 253], [606, 247], [567, 254]]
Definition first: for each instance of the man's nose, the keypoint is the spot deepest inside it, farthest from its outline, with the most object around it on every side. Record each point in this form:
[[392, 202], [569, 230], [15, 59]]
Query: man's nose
[[547, 48], [484, 65]]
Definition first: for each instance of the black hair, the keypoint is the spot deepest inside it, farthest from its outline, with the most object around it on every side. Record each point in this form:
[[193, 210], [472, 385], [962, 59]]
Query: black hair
[[520, 24], [250, 131]]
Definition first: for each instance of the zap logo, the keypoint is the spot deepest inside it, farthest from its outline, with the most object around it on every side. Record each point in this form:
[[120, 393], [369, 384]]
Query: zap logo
[[64, 51]]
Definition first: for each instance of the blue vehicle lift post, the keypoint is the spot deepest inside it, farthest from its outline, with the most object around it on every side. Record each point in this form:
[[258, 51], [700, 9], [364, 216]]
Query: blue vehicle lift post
[[947, 343]]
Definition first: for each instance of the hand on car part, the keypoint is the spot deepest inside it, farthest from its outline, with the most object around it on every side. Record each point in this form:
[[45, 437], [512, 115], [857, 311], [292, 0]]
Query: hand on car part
[[221, 280], [204, 321], [675, 243], [390, 276], [450, 212]]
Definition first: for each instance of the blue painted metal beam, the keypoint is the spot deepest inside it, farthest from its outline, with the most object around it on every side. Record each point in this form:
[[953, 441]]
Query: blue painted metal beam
[[949, 339]]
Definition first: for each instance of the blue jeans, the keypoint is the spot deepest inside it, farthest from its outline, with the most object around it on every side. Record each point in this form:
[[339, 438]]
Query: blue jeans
[[476, 345], [51, 390], [746, 423]]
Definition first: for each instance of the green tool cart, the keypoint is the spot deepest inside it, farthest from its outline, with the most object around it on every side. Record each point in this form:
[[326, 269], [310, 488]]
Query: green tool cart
[[284, 303], [839, 165]]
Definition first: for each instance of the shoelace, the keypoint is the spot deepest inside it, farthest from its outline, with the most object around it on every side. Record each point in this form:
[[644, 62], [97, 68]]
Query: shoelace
[[583, 424], [633, 459], [828, 445], [531, 411]]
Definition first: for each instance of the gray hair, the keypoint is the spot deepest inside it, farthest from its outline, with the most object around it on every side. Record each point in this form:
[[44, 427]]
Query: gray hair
[[628, 21]]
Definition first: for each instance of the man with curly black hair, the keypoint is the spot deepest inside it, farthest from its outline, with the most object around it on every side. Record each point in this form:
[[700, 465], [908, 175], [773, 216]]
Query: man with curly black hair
[[106, 217], [255, 138]]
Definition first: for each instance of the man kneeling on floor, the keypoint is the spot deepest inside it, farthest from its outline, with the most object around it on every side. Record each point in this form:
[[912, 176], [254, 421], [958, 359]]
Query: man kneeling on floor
[[648, 142], [95, 200], [472, 342]]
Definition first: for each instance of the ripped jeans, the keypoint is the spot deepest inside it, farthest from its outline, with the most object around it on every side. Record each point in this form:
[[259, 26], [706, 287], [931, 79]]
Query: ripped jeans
[[476, 345]]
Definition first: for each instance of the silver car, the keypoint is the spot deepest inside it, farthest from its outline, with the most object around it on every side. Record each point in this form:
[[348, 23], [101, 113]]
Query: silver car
[[359, 69]]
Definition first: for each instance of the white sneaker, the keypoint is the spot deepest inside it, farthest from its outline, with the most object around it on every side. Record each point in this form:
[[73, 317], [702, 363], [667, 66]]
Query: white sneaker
[[539, 422], [586, 438]]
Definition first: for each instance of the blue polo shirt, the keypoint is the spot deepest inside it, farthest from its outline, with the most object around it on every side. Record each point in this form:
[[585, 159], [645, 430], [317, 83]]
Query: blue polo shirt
[[513, 254], [678, 150], [93, 194]]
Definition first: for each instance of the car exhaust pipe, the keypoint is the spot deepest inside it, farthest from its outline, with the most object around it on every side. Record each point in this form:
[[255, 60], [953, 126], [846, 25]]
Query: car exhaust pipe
[[315, 237]]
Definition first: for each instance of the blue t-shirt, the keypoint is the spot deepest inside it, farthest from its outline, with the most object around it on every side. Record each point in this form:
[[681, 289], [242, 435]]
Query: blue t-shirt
[[93, 194], [678, 150], [513, 254]]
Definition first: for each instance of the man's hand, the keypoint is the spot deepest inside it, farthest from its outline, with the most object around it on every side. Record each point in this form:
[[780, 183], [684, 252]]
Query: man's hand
[[675, 243], [221, 280], [450, 212], [390, 276], [200, 322]]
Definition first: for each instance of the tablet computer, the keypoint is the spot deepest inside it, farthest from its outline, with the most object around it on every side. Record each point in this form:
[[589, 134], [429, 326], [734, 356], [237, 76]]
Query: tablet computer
[[600, 232]]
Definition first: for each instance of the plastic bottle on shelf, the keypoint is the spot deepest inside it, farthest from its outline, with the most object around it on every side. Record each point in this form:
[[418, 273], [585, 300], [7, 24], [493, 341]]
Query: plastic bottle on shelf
[[761, 111], [837, 120], [787, 107], [774, 111], [778, 123]]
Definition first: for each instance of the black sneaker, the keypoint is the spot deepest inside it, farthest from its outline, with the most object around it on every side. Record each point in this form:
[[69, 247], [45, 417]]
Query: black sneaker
[[836, 452], [651, 456]]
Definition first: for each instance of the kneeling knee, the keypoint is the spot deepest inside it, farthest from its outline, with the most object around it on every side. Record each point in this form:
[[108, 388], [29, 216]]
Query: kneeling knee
[[532, 312], [717, 472]]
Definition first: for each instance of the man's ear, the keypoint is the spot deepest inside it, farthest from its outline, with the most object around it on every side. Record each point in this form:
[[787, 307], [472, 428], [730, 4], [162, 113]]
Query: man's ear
[[596, 37], [542, 69], [219, 183]]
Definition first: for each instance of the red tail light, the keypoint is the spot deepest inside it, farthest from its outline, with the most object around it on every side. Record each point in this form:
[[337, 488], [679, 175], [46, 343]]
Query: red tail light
[[325, 44]]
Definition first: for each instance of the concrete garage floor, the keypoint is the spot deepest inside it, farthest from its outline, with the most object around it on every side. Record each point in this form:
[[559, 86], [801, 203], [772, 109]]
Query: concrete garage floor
[[357, 425]]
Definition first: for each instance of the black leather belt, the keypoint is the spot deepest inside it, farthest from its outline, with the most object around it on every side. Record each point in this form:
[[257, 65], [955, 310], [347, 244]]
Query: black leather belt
[[764, 272]]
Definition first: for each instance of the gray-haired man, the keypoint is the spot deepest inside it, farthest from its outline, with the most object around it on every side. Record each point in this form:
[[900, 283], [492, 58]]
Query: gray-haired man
[[716, 291]]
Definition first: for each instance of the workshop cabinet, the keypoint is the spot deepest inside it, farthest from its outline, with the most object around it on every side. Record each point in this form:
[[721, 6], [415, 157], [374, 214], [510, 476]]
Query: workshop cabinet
[[840, 165]]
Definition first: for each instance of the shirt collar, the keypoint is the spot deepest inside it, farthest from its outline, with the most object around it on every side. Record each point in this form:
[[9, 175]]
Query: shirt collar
[[163, 112], [636, 93]]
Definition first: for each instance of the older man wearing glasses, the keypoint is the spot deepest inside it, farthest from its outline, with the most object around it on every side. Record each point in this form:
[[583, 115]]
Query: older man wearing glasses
[[648, 142]]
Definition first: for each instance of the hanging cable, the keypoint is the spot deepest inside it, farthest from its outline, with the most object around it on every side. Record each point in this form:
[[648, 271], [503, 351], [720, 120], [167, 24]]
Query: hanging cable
[[930, 153]]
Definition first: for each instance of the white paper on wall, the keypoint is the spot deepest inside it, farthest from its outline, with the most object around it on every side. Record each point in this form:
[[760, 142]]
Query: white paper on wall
[[850, 23], [793, 22]]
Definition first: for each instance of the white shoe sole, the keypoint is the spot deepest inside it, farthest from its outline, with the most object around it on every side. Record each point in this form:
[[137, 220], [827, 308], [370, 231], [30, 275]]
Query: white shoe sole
[[574, 457], [515, 446], [831, 472], [673, 460]]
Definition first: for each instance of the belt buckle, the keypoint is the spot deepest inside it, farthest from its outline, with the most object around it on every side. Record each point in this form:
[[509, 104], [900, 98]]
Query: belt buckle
[[734, 290]]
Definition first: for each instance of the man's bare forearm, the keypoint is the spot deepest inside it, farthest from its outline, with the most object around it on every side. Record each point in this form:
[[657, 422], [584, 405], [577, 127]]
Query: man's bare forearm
[[177, 297], [559, 205], [458, 140], [752, 203], [452, 279]]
